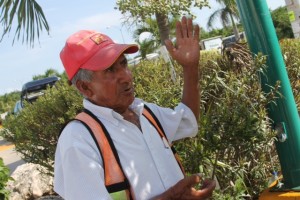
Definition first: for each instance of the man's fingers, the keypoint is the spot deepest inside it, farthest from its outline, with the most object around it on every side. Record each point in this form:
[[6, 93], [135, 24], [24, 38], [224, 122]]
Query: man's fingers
[[208, 187], [207, 183], [206, 190], [184, 27], [170, 47], [193, 180], [179, 33], [188, 182], [196, 32], [190, 28], [184, 189]]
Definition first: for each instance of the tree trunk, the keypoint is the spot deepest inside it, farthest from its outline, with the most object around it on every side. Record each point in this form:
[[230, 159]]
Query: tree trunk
[[235, 28], [163, 26]]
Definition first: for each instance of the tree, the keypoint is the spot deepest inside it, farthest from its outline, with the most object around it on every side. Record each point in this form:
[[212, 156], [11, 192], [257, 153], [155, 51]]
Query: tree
[[150, 25], [146, 47], [139, 10], [8, 101], [48, 73], [227, 14], [29, 16], [224, 32], [282, 23]]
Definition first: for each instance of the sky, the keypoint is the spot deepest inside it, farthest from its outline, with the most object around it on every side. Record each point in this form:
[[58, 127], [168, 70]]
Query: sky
[[19, 62]]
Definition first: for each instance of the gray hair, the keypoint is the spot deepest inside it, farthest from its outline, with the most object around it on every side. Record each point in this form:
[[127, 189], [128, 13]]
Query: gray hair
[[82, 75]]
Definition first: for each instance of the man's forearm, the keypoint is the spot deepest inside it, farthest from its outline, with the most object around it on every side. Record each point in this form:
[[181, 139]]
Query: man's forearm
[[191, 89]]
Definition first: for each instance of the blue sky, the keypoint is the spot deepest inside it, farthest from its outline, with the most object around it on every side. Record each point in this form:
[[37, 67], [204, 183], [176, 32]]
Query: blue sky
[[19, 63]]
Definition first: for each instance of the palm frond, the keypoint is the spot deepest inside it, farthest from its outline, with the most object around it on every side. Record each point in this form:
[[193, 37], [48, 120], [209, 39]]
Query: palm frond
[[29, 17], [229, 9], [225, 17], [146, 47], [212, 18]]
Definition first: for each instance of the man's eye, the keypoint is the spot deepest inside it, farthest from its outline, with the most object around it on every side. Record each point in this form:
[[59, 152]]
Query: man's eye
[[124, 62], [110, 69]]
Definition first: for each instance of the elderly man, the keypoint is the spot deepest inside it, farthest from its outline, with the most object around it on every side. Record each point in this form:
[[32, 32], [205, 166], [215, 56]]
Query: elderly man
[[119, 146]]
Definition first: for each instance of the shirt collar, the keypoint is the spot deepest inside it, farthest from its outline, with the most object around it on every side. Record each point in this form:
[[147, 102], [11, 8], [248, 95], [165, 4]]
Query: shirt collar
[[109, 114]]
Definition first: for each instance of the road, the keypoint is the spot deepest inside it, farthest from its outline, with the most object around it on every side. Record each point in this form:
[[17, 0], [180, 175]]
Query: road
[[10, 157]]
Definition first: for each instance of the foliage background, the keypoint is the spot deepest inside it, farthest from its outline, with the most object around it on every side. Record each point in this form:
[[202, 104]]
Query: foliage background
[[4, 177], [8, 101], [280, 19], [282, 23], [235, 141], [35, 130], [279, 16]]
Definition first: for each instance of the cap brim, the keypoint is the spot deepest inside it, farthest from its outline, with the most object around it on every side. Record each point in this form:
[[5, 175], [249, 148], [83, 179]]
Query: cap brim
[[105, 57]]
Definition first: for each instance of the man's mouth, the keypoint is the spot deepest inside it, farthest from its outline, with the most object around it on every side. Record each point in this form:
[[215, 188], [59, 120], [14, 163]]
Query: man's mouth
[[129, 90]]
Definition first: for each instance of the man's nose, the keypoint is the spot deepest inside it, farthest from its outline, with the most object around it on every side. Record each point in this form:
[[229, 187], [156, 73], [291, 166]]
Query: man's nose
[[125, 74]]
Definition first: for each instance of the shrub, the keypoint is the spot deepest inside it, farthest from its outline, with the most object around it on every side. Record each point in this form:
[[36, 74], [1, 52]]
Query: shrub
[[291, 52], [4, 178], [234, 137], [153, 83], [36, 128]]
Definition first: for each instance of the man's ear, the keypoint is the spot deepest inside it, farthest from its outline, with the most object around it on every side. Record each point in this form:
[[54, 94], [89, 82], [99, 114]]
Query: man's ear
[[84, 88]]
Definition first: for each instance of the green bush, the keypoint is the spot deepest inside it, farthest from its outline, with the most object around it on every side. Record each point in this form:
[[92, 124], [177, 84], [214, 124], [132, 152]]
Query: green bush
[[4, 178], [36, 128], [153, 83], [235, 141], [235, 137], [291, 53], [8, 101], [234, 130]]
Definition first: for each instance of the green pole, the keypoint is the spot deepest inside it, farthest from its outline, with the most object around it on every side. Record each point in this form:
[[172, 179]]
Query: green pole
[[261, 36]]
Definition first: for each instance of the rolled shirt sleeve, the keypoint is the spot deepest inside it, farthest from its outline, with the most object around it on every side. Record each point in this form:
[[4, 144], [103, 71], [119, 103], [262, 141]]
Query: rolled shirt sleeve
[[178, 123]]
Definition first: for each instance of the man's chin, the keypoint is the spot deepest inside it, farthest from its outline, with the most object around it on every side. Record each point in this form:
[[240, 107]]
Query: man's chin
[[131, 101], [127, 102]]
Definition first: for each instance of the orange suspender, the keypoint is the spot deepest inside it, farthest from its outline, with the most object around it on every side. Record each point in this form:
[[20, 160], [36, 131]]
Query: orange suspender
[[115, 179], [155, 122]]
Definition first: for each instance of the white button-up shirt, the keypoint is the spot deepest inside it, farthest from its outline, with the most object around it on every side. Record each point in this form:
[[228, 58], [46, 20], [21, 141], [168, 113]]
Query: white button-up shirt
[[147, 162]]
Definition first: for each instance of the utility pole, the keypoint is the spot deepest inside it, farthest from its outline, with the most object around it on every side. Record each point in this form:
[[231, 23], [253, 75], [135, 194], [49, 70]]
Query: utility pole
[[261, 36], [293, 7]]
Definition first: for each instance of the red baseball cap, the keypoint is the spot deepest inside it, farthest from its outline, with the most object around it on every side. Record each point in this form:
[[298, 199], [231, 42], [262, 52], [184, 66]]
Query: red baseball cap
[[91, 50]]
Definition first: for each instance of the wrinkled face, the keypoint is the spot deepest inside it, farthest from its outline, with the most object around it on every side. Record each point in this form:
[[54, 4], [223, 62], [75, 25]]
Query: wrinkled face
[[113, 87]]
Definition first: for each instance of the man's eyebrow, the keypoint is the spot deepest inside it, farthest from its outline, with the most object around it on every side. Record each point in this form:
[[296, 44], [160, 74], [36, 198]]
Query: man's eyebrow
[[124, 61]]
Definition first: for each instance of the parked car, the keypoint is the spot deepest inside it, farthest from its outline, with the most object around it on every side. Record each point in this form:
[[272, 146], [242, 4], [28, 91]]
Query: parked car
[[33, 89], [18, 107]]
